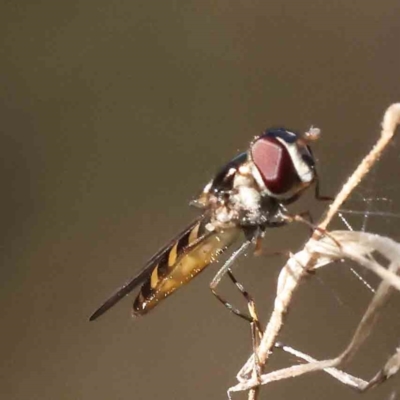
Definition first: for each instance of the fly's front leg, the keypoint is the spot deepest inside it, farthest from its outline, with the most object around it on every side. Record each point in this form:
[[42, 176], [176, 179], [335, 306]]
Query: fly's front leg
[[300, 218], [317, 193]]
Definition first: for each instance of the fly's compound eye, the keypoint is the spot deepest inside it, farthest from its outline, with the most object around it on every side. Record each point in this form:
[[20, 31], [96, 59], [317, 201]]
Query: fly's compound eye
[[284, 162]]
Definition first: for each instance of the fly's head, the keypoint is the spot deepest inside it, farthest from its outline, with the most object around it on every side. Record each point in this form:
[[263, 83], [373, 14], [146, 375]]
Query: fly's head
[[284, 165], [252, 187]]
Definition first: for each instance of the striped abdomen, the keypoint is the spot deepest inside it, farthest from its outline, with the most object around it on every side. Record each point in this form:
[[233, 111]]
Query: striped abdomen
[[181, 262]]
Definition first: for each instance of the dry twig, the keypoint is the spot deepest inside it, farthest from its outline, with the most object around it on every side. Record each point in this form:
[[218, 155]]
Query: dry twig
[[317, 252]]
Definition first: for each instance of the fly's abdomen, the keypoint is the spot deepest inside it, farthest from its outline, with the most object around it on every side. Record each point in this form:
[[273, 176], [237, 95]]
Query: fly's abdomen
[[184, 260]]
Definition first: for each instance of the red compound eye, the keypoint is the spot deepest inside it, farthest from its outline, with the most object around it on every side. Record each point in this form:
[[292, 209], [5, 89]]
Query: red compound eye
[[275, 165]]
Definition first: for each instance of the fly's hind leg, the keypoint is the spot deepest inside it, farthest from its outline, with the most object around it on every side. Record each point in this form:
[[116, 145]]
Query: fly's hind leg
[[252, 317], [250, 303], [256, 330], [222, 271]]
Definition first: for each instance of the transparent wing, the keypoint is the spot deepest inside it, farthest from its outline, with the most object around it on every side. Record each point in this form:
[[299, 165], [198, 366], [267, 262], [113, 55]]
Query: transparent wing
[[144, 274]]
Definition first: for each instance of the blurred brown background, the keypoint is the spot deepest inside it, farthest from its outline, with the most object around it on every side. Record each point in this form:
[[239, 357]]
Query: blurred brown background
[[114, 114]]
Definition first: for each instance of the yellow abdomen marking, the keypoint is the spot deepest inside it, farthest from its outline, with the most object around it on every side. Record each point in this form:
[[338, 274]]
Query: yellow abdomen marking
[[154, 278]]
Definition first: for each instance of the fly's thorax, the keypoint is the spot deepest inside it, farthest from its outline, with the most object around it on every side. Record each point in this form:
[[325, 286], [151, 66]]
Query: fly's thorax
[[245, 198], [222, 184], [224, 216], [244, 203]]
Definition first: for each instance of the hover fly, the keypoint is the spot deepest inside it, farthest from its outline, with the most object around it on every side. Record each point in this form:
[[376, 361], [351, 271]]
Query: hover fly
[[247, 196]]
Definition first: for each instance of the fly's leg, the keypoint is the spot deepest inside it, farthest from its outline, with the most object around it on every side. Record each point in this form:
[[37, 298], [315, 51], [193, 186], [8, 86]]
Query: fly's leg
[[304, 217], [256, 330], [250, 303], [223, 270], [317, 193]]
